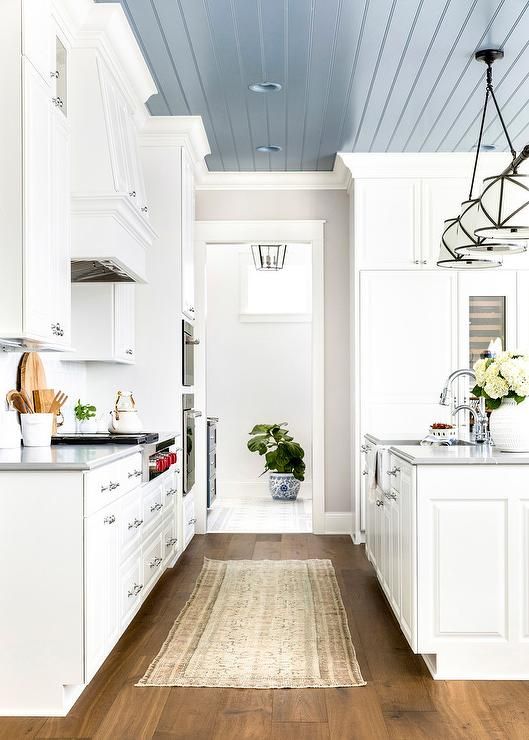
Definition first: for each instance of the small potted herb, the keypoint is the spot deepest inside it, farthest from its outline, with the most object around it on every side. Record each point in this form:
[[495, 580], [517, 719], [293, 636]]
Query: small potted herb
[[283, 459], [85, 418]]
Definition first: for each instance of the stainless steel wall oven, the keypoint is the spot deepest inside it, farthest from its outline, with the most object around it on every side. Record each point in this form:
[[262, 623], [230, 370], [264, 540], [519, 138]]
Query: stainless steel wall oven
[[188, 354], [189, 440]]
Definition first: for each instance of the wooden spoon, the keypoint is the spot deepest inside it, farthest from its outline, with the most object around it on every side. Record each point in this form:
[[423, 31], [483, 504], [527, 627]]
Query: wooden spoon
[[59, 400], [27, 401], [16, 400]]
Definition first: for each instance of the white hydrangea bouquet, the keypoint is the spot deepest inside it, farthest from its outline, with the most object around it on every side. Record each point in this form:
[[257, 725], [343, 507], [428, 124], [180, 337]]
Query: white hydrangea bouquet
[[504, 376]]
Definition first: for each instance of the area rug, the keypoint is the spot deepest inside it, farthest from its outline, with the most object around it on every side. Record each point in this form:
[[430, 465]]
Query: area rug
[[260, 624]]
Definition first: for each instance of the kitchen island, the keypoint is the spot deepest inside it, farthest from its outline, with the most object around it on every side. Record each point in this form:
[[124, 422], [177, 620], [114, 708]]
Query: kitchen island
[[447, 532], [85, 534]]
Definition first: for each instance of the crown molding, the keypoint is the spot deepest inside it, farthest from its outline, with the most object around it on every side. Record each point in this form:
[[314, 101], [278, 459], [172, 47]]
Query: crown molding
[[337, 179], [178, 131], [436, 164], [104, 26]]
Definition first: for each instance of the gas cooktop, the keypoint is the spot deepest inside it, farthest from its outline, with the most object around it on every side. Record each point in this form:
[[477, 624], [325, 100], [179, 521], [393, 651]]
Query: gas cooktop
[[105, 438]]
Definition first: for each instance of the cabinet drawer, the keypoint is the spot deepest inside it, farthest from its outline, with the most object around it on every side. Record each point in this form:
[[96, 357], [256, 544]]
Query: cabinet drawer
[[131, 471], [170, 491], [130, 524], [170, 538], [153, 558], [153, 506], [102, 486], [130, 589]]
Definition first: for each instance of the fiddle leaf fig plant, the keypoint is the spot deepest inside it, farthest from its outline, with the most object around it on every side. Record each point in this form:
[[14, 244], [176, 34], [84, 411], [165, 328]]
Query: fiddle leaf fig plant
[[282, 454], [83, 412]]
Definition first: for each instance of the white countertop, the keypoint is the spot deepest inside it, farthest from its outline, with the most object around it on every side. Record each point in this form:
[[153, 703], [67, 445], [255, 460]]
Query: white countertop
[[458, 455], [394, 438], [68, 456]]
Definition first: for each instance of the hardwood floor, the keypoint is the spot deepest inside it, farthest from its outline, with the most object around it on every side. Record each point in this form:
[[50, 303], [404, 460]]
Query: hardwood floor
[[401, 701]]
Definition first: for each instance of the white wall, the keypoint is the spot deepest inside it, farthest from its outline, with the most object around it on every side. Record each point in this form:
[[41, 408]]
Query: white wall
[[257, 372], [66, 376], [333, 206]]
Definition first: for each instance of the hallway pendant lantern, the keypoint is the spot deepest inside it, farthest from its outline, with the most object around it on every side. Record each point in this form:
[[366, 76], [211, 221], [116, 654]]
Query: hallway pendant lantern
[[467, 242], [268, 257]]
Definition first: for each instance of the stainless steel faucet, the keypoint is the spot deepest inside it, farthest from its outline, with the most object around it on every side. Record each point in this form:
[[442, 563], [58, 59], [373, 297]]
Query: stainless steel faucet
[[481, 432]]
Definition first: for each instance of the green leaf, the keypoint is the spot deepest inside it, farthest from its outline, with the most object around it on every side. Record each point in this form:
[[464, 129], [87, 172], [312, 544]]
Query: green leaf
[[260, 429], [493, 403], [519, 399], [478, 391]]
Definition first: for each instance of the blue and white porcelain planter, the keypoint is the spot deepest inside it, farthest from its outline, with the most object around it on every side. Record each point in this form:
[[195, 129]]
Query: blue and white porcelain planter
[[284, 486]]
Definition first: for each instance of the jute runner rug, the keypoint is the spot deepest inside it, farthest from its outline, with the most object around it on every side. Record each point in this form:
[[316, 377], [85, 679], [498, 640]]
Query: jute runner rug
[[260, 624]]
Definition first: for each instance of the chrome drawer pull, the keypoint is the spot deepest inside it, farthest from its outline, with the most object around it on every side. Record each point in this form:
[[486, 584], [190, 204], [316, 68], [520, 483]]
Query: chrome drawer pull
[[155, 563], [171, 542], [390, 495], [394, 471], [109, 519], [135, 590], [156, 507], [171, 491], [104, 488], [136, 523], [134, 474], [365, 448], [191, 521], [113, 486]]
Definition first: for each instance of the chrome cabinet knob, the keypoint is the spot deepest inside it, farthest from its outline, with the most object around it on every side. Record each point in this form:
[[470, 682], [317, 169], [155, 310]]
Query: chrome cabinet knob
[[135, 590], [57, 102], [390, 495], [129, 351], [157, 506], [394, 472], [110, 519], [191, 521], [424, 262], [134, 474], [144, 209], [136, 523], [113, 486], [191, 308], [132, 193], [365, 448], [55, 74], [155, 563], [364, 472], [171, 491], [379, 502], [170, 542]]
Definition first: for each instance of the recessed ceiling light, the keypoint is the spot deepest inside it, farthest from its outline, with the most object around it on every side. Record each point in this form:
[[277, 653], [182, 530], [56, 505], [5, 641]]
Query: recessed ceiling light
[[263, 87], [268, 149]]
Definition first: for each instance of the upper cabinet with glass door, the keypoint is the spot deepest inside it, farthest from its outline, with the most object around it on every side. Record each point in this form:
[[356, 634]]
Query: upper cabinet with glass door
[[59, 76]]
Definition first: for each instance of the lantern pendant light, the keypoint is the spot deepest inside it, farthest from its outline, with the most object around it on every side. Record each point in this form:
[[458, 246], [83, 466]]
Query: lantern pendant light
[[460, 240], [269, 257]]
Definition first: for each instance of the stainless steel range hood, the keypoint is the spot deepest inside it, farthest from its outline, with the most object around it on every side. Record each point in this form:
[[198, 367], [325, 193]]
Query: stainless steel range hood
[[99, 271]]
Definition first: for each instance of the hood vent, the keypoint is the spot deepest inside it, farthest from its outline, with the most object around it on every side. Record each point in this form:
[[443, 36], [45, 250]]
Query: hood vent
[[99, 271]]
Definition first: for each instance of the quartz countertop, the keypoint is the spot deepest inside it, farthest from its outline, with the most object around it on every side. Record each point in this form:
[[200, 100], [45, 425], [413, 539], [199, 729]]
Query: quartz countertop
[[395, 438], [458, 455], [68, 456]]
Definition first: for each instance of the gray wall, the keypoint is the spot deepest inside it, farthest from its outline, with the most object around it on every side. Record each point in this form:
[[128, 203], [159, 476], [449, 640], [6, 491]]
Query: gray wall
[[333, 207]]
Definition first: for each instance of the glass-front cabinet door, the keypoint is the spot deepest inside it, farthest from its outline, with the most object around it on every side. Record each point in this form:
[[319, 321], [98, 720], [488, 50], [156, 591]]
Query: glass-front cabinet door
[[60, 77]]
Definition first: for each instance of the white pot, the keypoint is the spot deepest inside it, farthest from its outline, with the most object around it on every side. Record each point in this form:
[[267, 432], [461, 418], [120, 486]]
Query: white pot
[[509, 426], [88, 426]]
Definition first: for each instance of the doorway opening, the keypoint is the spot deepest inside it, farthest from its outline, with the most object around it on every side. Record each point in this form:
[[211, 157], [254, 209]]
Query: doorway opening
[[258, 372]]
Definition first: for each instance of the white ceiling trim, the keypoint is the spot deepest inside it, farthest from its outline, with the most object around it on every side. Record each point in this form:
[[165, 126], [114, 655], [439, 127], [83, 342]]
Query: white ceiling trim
[[437, 164]]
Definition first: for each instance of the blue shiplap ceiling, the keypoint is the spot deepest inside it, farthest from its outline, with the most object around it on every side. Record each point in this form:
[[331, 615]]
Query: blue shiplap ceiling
[[357, 75]]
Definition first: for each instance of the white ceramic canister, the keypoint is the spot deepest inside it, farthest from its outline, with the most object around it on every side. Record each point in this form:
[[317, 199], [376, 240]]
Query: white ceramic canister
[[36, 429]]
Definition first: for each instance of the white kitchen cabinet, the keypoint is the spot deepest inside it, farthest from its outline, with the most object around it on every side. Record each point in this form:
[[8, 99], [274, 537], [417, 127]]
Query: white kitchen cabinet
[[103, 322], [188, 222], [407, 552], [441, 198], [60, 227], [101, 586], [36, 22], [387, 223]]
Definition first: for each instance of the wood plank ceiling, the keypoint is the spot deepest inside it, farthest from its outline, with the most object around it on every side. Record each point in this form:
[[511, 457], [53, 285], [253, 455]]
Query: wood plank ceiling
[[357, 75]]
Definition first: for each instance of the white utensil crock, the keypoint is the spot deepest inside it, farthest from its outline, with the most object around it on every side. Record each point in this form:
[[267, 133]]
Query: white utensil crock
[[509, 426], [36, 429]]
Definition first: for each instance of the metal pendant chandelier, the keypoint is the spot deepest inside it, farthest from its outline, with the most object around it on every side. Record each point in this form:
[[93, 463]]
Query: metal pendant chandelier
[[482, 228], [268, 257]]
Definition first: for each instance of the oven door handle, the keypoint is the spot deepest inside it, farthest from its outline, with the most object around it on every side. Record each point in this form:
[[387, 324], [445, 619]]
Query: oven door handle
[[191, 341], [194, 414]]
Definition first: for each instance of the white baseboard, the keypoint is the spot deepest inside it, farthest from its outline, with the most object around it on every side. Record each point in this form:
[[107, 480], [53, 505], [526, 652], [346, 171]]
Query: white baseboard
[[338, 522]]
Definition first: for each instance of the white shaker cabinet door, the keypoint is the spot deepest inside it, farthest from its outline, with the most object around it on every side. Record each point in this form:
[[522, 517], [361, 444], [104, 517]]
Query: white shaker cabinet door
[[60, 228], [188, 222], [387, 223], [38, 298], [407, 346], [124, 322], [441, 198], [36, 37], [101, 586]]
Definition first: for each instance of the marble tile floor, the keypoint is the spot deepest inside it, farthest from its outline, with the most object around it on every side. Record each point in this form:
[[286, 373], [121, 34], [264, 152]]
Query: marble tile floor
[[260, 514]]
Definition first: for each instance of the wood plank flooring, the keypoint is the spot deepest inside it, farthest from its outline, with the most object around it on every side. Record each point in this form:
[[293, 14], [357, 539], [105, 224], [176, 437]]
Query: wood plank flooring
[[401, 701]]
